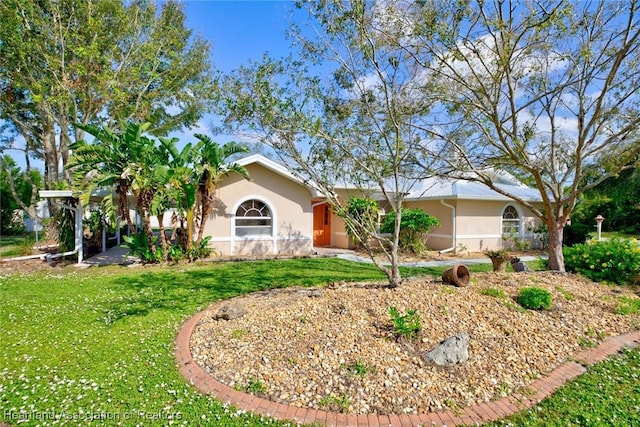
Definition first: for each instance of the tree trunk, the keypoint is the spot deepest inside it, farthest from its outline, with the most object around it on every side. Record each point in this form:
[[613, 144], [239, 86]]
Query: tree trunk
[[123, 207], [63, 150], [556, 257], [146, 221], [163, 238], [144, 198], [394, 278], [51, 156], [394, 273], [190, 215], [205, 211]]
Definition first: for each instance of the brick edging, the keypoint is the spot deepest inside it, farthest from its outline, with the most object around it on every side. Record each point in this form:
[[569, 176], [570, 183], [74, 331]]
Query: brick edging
[[479, 413]]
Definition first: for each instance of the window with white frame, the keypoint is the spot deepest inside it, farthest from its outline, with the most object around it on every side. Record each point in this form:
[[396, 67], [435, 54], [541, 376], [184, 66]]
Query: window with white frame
[[510, 221], [253, 218]]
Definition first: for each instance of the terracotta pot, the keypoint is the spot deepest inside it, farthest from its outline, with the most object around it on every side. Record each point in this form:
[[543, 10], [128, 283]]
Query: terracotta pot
[[458, 275]]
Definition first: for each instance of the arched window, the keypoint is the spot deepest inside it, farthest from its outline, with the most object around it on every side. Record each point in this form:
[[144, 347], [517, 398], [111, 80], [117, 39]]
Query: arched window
[[510, 221], [253, 218]]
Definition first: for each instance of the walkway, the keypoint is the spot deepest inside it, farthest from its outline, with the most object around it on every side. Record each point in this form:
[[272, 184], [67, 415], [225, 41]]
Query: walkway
[[118, 255], [113, 256], [352, 256]]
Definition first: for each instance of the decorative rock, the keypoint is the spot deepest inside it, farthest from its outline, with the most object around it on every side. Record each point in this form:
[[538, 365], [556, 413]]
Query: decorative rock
[[508, 347], [519, 266], [311, 293], [449, 352], [230, 311]]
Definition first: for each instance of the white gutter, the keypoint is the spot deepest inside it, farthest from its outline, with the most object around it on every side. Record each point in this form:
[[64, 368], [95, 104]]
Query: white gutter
[[60, 255], [453, 228], [22, 258]]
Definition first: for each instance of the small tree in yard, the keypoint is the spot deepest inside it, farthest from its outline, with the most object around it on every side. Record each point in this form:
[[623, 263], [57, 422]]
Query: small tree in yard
[[415, 227], [352, 121], [545, 90]]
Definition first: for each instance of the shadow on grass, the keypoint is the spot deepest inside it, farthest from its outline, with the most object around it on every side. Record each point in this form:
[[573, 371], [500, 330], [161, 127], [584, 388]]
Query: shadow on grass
[[186, 288]]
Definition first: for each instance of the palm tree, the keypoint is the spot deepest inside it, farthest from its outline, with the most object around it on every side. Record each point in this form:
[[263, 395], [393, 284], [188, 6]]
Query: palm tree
[[211, 169], [106, 163], [147, 170], [181, 181], [163, 200]]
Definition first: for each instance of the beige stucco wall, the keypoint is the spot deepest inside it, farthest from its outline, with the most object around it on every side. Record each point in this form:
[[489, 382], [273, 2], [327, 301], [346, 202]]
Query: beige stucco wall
[[478, 224], [440, 237], [339, 237], [290, 204]]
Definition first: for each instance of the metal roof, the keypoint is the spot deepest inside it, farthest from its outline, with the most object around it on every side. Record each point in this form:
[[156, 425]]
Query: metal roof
[[443, 188]]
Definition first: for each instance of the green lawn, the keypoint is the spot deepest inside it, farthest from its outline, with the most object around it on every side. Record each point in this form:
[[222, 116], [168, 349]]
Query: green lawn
[[607, 395], [97, 345], [617, 234], [15, 245]]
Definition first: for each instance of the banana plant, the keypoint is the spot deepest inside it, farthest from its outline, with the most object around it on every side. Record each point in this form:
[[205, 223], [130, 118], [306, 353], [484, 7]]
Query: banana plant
[[212, 168]]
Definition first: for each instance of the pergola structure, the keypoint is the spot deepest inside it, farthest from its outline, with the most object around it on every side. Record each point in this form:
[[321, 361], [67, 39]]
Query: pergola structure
[[58, 196]]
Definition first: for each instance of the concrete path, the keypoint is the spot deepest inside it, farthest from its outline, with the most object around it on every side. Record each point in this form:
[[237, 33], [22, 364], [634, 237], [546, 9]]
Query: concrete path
[[118, 256], [434, 263], [113, 256]]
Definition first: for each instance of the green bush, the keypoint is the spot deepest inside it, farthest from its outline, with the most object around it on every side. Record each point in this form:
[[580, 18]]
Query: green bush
[[575, 234], [535, 298], [415, 225], [406, 325], [362, 218], [615, 260], [138, 246]]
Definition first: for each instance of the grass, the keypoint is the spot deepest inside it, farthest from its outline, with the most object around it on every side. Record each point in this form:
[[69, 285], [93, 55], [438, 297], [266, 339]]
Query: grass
[[99, 342], [359, 368], [617, 234], [493, 292], [81, 345], [607, 395], [16, 245], [627, 306], [339, 403]]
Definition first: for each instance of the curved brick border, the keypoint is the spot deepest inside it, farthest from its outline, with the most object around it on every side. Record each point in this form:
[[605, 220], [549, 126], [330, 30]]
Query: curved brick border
[[483, 412]]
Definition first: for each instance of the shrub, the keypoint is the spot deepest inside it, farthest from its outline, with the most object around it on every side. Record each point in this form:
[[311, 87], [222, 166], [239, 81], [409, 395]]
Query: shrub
[[535, 298], [415, 225], [138, 245], [406, 325], [576, 234], [363, 215], [615, 260], [493, 292], [64, 226]]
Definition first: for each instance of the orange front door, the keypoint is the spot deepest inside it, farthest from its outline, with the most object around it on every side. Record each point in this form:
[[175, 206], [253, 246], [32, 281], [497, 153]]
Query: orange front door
[[322, 225]]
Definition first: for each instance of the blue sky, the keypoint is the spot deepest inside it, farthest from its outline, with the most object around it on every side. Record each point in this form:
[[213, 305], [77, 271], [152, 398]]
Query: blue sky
[[240, 31]]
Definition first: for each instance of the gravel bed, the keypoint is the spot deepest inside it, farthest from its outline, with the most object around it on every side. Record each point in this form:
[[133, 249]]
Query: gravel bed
[[334, 347]]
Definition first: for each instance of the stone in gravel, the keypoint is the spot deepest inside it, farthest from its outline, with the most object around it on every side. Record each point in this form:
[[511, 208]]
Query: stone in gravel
[[519, 266], [230, 311], [449, 352], [311, 293]]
